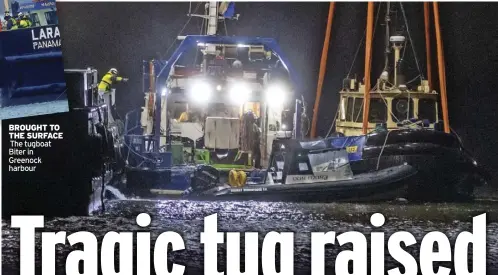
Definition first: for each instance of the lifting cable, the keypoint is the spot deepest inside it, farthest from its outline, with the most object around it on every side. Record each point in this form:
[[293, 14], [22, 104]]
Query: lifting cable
[[411, 41]]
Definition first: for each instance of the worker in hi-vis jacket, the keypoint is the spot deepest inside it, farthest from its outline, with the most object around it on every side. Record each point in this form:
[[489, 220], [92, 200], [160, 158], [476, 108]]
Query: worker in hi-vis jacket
[[24, 21], [11, 21], [106, 92]]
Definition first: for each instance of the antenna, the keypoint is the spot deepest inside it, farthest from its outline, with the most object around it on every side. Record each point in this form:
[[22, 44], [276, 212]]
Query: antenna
[[212, 15], [398, 42], [388, 48], [212, 7]]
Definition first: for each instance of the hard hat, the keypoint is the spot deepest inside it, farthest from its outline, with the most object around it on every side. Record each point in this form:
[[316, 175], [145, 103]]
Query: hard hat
[[20, 14], [113, 71]]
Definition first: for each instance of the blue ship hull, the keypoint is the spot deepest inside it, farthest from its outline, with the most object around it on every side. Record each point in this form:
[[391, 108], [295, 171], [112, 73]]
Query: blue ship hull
[[32, 68]]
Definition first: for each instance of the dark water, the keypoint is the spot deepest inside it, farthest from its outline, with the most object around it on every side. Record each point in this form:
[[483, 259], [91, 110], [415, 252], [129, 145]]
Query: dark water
[[186, 218]]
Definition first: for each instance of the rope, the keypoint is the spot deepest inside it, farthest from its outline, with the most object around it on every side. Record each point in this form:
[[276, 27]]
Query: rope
[[411, 41], [333, 122], [361, 108], [382, 150], [415, 78], [65, 90], [134, 152], [385, 102], [385, 142], [384, 145]]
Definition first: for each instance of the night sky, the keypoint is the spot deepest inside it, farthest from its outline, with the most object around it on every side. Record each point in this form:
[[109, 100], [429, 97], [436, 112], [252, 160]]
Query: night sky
[[121, 35]]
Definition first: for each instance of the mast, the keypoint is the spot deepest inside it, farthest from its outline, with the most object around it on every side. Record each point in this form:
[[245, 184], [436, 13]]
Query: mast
[[212, 17], [212, 21], [323, 68], [386, 41], [368, 64], [441, 69], [428, 43]]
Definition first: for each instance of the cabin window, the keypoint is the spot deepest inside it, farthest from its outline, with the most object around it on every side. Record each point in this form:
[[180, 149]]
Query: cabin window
[[343, 109], [178, 109], [400, 109], [35, 19], [51, 17], [427, 109], [378, 111], [328, 160], [439, 111], [354, 109], [358, 110], [349, 109]]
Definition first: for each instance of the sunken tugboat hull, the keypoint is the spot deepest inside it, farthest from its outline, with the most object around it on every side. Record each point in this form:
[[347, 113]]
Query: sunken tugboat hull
[[445, 172]]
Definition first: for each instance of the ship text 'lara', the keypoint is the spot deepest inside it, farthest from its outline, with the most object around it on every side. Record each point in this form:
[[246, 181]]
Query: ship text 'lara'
[[48, 37]]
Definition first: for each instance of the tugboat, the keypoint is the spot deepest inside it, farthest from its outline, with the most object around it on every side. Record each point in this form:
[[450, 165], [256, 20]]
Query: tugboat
[[398, 122], [233, 126]]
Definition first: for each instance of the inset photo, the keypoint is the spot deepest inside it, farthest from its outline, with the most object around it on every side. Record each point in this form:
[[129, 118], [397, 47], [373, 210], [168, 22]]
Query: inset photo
[[31, 67]]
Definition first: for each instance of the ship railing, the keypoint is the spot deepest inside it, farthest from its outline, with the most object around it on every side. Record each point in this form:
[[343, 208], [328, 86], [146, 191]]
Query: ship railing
[[139, 145]]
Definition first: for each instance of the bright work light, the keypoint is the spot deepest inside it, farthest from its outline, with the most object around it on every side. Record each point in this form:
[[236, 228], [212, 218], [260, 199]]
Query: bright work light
[[275, 95], [200, 91], [239, 93]]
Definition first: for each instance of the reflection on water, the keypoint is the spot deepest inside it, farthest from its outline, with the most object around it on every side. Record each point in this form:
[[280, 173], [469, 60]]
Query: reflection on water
[[187, 217]]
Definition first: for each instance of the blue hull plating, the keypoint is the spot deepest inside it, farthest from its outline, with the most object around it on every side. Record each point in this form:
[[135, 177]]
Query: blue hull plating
[[31, 66]]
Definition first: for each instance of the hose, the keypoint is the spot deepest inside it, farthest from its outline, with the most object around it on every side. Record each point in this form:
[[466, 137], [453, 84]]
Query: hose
[[237, 178], [242, 178], [233, 178]]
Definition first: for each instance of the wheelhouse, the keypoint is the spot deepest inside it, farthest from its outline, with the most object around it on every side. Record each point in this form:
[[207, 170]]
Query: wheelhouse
[[388, 107]]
